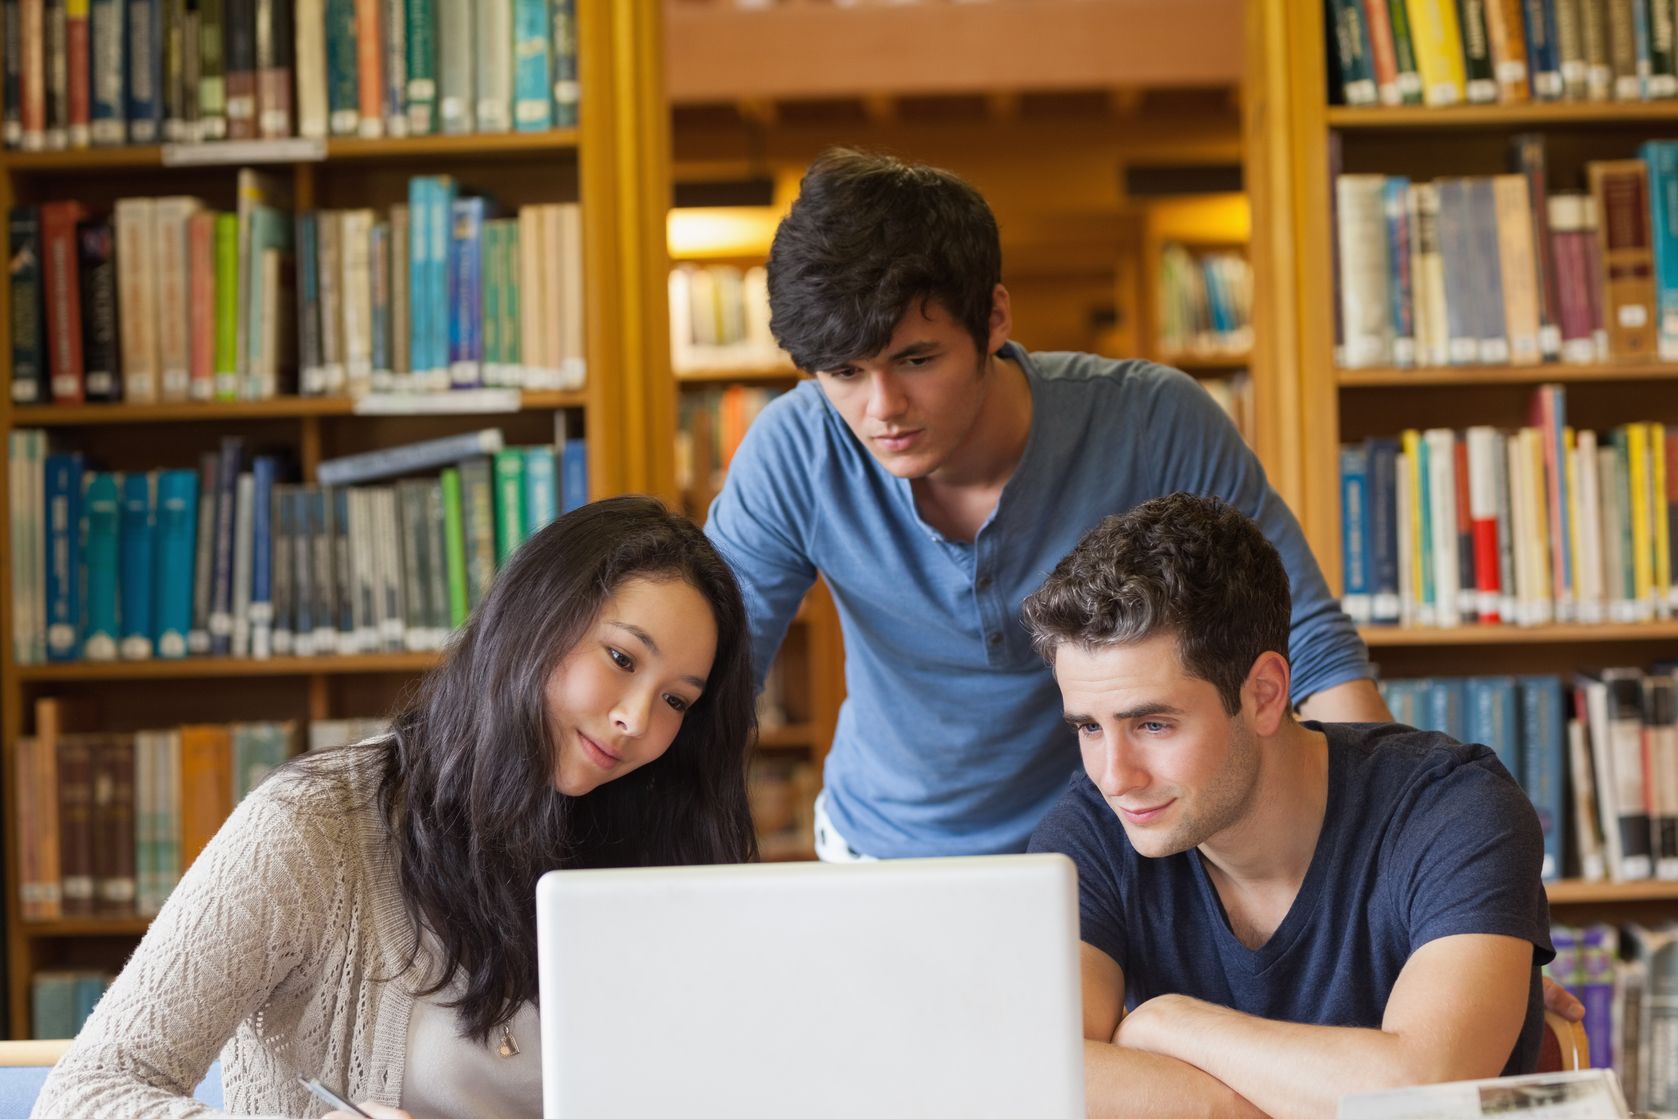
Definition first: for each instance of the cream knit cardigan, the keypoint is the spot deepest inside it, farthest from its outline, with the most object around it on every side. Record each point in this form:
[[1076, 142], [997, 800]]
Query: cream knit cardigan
[[284, 929]]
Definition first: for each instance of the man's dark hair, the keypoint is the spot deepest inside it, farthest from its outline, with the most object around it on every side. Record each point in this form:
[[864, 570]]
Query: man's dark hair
[[1183, 564], [868, 238]]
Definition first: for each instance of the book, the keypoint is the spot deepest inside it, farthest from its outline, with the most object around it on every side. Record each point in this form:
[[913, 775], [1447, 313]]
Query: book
[[408, 458]]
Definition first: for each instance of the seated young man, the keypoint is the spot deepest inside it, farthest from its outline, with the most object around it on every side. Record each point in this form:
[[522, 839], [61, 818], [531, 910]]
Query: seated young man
[[1274, 912]]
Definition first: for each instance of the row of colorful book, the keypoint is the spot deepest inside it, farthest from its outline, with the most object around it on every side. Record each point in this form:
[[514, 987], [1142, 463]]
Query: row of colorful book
[[1528, 527], [107, 72], [60, 1000], [167, 300], [710, 425], [108, 822], [1597, 753], [1206, 302], [1627, 977], [719, 319], [1445, 52], [1493, 270], [232, 560]]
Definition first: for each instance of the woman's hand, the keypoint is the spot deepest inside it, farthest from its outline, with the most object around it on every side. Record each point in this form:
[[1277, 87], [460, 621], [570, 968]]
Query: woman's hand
[[376, 1110]]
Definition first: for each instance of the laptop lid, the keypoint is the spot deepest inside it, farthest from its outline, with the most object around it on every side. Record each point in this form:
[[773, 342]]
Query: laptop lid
[[916, 987]]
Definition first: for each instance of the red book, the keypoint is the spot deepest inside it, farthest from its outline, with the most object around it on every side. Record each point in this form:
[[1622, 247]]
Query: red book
[[62, 281], [1382, 51], [1484, 448]]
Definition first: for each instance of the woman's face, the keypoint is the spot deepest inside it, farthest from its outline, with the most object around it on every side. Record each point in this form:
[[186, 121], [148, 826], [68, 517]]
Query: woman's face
[[617, 700]]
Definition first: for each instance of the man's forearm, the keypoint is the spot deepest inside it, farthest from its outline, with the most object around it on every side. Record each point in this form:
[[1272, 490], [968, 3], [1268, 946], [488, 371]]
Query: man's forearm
[[1355, 701], [1132, 1084], [1283, 1068]]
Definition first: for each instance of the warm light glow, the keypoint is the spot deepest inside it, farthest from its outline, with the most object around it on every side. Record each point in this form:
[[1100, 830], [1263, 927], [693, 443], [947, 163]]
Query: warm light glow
[[723, 231], [1209, 219]]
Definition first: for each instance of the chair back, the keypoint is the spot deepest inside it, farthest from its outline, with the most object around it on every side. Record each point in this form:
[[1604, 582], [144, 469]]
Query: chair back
[[1564, 1046], [24, 1066]]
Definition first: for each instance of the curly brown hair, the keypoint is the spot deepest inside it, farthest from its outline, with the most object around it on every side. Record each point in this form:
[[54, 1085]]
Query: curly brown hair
[[1184, 564]]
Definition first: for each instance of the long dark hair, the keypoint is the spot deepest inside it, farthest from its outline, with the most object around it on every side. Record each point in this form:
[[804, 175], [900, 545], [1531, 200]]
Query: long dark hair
[[468, 789]]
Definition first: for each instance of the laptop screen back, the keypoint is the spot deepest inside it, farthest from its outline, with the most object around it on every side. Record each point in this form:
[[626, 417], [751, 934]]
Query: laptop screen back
[[922, 987]]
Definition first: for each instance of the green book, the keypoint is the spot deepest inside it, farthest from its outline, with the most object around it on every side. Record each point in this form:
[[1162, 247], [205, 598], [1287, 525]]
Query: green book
[[422, 67], [227, 307], [454, 543], [509, 503]]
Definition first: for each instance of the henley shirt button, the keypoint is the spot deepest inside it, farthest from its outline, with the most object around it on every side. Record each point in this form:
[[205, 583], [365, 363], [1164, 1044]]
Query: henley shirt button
[[982, 583], [995, 639]]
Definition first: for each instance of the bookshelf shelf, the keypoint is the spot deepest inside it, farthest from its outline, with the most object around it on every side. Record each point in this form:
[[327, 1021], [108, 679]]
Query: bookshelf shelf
[[773, 374], [1206, 363], [280, 408], [200, 668], [1398, 636], [1622, 114], [793, 736], [86, 927], [1598, 893], [470, 146], [1470, 376]]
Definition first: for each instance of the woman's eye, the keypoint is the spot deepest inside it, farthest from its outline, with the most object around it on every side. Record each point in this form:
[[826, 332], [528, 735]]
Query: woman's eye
[[621, 659], [677, 704]]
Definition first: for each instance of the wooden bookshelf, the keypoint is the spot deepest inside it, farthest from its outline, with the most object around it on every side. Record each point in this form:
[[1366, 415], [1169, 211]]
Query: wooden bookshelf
[[1291, 130], [615, 163]]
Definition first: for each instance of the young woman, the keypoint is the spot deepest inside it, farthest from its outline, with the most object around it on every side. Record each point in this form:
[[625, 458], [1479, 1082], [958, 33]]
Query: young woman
[[367, 916]]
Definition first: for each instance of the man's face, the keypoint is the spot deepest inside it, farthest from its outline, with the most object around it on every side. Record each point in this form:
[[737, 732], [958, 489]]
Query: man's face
[[1173, 766], [915, 403]]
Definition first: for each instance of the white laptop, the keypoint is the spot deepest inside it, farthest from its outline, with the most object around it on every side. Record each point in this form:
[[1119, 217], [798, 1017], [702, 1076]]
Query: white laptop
[[918, 987]]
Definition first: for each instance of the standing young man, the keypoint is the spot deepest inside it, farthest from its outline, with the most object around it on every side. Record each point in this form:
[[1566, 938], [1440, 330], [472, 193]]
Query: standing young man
[[931, 474], [1274, 913]]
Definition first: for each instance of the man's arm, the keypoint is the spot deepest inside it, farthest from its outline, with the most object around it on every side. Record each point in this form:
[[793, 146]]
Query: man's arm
[[1454, 1014], [1355, 701], [1130, 1082]]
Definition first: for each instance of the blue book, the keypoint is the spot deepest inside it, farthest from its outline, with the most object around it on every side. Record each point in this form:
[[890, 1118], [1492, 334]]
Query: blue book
[[1354, 531], [221, 572], [102, 501], [1445, 707], [53, 1004], [90, 986], [466, 292], [63, 499], [1403, 698], [262, 556], [541, 484], [1381, 496], [138, 552], [419, 246], [1544, 761], [439, 268], [177, 547], [574, 475], [145, 71], [1394, 198], [1662, 158], [107, 37], [1542, 54], [1430, 583], [1492, 721], [532, 67]]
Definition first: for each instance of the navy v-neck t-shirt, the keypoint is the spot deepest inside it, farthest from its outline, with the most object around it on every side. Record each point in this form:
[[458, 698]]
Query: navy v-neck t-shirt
[[1422, 838]]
